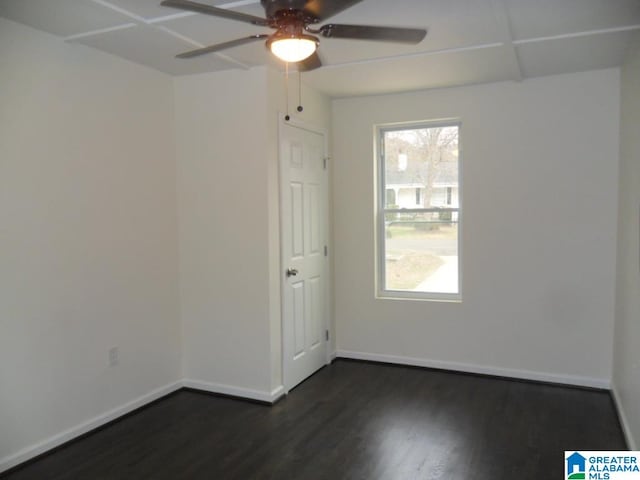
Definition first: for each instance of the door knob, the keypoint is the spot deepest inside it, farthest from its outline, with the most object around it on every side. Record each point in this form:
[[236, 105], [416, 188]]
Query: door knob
[[291, 272]]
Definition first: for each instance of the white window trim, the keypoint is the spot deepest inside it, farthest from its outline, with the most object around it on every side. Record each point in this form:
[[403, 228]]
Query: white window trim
[[380, 210]]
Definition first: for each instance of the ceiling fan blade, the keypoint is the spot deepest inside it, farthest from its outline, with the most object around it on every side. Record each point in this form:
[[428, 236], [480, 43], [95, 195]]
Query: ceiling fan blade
[[368, 32], [310, 63], [217, 12], [221, 46], [323, 9]]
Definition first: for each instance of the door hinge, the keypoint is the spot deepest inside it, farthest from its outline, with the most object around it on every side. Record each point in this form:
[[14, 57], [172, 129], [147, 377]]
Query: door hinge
[[324, 162], [326, 251], [327, 334]]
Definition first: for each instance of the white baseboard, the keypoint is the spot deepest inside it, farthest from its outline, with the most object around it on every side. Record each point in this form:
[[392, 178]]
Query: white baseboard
[[277, 393], [626, 428], [63, 437], [480, 369], [260, 395]]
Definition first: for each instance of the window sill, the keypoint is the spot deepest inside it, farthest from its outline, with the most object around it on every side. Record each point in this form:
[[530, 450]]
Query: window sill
[[420, 297]]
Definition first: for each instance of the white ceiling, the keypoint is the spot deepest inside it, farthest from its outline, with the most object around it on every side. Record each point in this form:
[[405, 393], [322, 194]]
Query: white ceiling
[[469, 41]]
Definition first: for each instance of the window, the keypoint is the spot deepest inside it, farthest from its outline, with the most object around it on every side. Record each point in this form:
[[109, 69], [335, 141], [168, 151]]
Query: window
[[418, 234]]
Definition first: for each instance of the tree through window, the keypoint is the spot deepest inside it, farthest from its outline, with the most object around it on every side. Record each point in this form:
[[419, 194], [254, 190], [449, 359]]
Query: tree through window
[[418, 233]]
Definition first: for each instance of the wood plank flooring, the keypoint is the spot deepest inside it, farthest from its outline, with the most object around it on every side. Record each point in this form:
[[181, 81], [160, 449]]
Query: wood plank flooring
[[351, 420]]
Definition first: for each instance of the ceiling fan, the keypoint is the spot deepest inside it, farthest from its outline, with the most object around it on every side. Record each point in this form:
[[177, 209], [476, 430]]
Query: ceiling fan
[[294, 40]]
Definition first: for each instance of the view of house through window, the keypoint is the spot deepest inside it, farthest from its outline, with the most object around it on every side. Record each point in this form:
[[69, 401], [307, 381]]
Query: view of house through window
[[418, 210]]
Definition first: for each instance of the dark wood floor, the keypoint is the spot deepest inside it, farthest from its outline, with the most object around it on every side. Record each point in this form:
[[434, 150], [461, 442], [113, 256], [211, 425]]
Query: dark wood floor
[[351, 420]]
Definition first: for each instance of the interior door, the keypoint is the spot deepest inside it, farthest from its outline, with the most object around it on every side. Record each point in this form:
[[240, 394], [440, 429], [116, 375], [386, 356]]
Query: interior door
[[304, 213]]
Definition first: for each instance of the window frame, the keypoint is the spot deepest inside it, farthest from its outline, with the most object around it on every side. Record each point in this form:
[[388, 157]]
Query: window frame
[[380, 210]]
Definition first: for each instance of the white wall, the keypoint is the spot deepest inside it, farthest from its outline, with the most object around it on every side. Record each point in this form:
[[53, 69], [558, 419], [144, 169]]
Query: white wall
[[88, 237], [539, 220], [227, 140], [626, 364], [220, 137]]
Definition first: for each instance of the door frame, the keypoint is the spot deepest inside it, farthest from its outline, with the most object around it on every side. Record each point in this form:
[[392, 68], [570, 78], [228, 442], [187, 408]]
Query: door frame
[[303, 125]]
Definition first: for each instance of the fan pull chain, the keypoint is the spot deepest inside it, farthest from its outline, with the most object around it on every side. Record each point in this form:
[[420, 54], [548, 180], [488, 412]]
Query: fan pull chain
[[300, 109], [286, 89]]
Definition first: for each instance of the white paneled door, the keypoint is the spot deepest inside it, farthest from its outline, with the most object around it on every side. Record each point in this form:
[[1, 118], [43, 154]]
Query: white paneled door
[[304, 213]]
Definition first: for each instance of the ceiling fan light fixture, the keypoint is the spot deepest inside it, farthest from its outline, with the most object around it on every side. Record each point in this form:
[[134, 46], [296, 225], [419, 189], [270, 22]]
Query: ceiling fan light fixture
[[293, 21], [292, 48]]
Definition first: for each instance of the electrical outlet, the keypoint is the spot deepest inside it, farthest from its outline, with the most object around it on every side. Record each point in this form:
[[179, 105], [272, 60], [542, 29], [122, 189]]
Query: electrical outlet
[[113, 356]]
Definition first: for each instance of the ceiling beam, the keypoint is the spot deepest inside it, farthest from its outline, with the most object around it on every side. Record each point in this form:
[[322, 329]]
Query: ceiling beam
[[100, 31], [564, 36], [120, 10], [501, 14]]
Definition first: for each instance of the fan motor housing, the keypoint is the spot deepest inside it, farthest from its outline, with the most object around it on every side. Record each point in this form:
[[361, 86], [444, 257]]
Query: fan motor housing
[[272, 7]]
